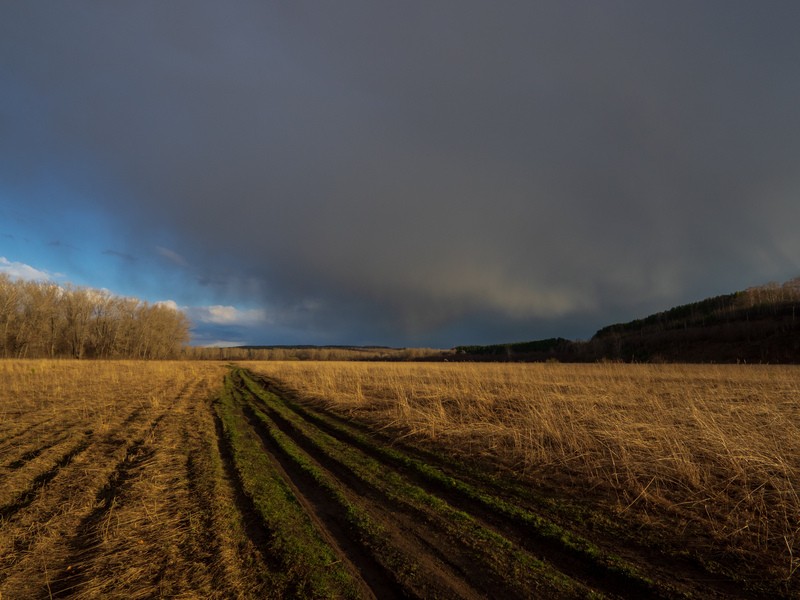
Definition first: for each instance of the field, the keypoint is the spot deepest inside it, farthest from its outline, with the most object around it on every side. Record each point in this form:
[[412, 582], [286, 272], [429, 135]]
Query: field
[[361, 480]]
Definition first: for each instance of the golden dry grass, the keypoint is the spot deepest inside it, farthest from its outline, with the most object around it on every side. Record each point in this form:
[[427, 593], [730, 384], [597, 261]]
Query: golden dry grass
[[96, 494], [93, 391], [717, 446], [710, 450]]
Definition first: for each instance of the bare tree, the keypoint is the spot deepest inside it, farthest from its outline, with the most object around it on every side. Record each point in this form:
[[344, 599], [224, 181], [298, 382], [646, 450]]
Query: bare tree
[[9, 294], [48, 320]]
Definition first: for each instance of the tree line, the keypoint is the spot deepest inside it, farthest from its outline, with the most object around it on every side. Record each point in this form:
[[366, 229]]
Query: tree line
[[758, 325], [753, 303], [340, 353], [47, 320]]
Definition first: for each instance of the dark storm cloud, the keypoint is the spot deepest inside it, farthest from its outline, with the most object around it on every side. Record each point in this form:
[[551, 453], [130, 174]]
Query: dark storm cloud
[[415, 172]]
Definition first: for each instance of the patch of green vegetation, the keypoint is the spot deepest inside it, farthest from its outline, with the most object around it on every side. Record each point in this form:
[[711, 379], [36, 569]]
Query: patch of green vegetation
[[228, 524], [371, 534], [309, 568], [544, 529], [500, 556]]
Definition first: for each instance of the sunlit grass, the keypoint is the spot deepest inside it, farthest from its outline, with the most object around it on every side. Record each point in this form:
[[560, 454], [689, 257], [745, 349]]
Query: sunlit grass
[[719, 445]]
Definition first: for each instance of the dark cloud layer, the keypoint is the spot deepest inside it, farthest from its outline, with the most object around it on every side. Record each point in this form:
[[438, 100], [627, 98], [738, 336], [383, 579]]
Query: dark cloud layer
[[424, 172]]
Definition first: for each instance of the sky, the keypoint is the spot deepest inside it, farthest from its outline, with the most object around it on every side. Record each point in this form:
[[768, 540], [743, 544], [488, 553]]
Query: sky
[[406, 174]]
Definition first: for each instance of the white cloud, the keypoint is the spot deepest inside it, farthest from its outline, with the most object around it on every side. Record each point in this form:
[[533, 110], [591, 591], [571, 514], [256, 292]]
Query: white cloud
[[18, 270], [227, 315], [169, 304], [222, 344]]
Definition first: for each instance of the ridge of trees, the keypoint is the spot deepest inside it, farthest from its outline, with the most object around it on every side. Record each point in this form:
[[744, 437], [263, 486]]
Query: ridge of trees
[[48, 320], [759, 324], [754, 302]]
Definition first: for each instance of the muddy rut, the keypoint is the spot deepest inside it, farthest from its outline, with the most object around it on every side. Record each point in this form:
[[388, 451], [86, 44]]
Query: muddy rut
[[404, 528], [236, 490]]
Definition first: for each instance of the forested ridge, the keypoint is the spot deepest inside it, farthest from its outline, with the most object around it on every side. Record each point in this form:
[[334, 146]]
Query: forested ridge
[[759, 324], [48, 320]]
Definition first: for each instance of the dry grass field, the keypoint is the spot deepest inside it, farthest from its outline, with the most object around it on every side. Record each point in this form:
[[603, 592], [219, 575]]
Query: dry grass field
[[698, 461], [99, 488], [379, 480]]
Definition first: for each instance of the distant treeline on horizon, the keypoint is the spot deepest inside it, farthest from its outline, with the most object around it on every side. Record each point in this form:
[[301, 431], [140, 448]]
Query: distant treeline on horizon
[[309, 352]]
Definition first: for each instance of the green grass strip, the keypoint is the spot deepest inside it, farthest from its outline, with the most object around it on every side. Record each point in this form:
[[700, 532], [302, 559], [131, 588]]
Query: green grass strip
[[576, 545], [310, 567], [372, 534], [496, 552]]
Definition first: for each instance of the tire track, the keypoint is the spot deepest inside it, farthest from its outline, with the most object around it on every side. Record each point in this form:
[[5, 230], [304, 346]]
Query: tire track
[[254, 529], [35, 443], [153, 472], [415, 545], [28, 456], [104, 501], [25, 499], [87, 546], [331, 519], [455, 566], [222, 508], [511, 517], [513, 525], [22, 430], [434, 537], [84, 545], [300, 563], [36, 526], [515, 518]]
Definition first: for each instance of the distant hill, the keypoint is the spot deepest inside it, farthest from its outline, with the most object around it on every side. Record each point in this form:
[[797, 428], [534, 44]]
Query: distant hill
[[760, 324]]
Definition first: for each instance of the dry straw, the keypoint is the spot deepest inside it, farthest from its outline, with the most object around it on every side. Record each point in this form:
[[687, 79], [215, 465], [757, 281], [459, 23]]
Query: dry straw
[[717, 444]]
